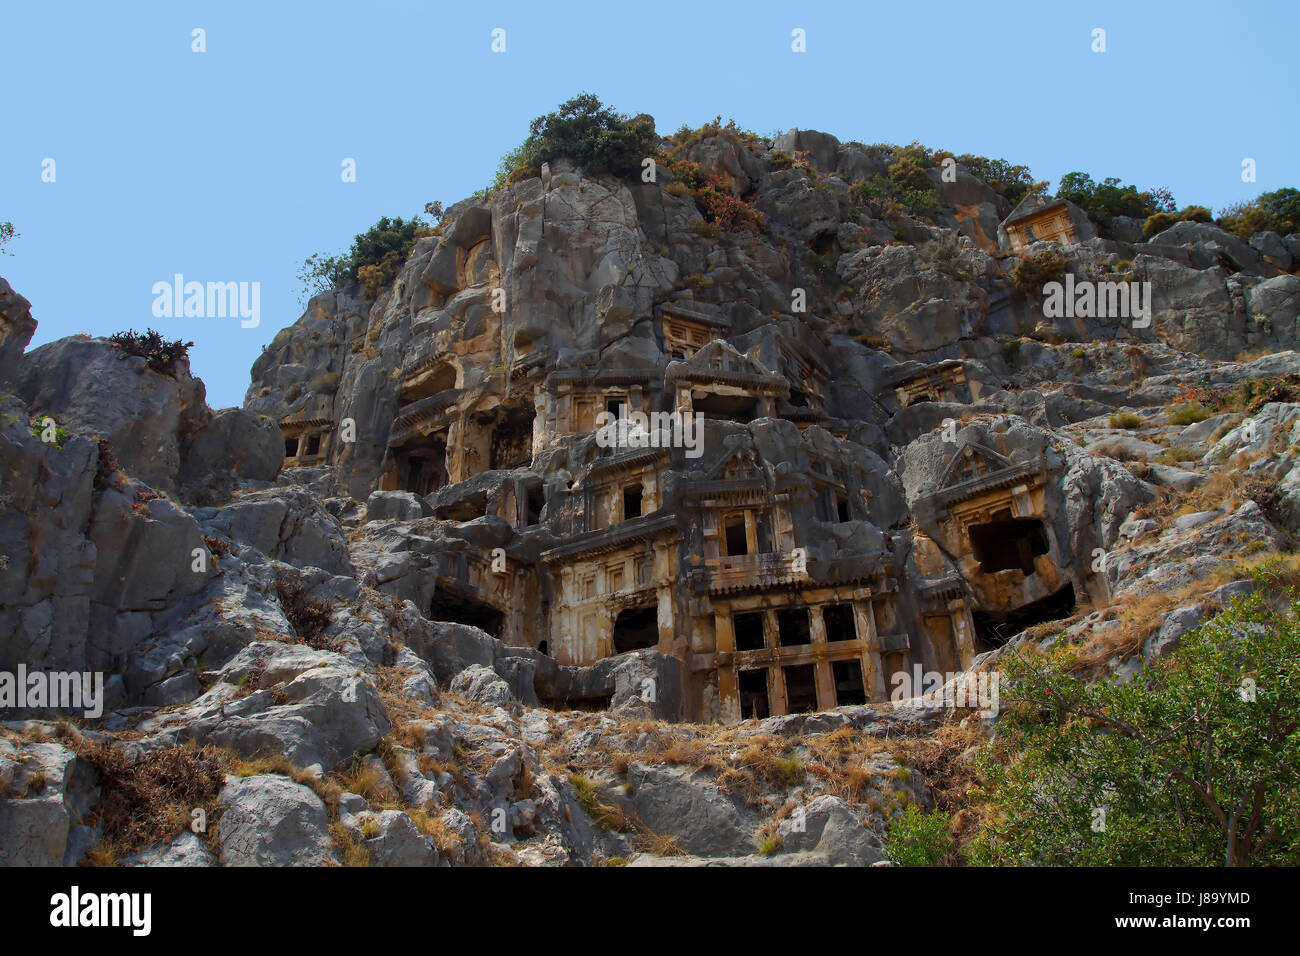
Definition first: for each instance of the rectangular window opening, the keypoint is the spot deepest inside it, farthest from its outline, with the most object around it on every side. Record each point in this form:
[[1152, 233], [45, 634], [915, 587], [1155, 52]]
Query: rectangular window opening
[[753, 695], [792, 625], [839, 622], [632, 501], [749, 631], [734, 535], [800, 688], [848, 683]]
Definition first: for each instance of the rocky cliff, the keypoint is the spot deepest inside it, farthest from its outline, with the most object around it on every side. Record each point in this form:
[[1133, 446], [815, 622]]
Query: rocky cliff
[[611, 527]]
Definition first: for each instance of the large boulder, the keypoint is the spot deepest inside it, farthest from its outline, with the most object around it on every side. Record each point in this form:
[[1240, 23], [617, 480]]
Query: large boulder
[[391, 838], [46, 819], [310, 705], [689, 806], [288, 524], [269, 820], [232, 444], [91, 388], [829, 828]]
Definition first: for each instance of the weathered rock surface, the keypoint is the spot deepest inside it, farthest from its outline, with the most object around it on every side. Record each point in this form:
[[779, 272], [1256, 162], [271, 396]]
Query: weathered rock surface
[[269, 820], [489, 623]]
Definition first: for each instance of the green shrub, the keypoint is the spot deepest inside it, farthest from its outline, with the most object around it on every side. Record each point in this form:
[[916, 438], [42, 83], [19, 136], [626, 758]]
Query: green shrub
[[1125, 420], [375, 258], [1187, 413], [945, 256], [37, 428], [791, 770], [918, 839], [1158, 223], [906, 183], [604, 815], [159, 354], [686, 137], [1161, 221], [1176, 456], [1191, 763], [1031, 274], [907, 171]]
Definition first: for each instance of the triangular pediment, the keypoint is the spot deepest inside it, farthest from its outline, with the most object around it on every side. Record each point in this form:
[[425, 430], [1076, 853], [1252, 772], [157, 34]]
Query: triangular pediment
[[1032, 205], [720, 356], [972, 461], [740, 463]]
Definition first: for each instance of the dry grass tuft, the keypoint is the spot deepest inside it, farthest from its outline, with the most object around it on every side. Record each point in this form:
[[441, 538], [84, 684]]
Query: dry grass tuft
[[659, 844], [604, 815], [147, 800], [355, 853]]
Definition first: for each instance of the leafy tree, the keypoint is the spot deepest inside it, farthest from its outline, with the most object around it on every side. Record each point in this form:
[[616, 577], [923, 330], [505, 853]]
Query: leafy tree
[[1013, 182], [907, 170], [1110, 198], [585, 131], [374, 260], [1284, 206], [1077, 188], [1277, 211], [6, 235], [321, 273], [1193, 762]]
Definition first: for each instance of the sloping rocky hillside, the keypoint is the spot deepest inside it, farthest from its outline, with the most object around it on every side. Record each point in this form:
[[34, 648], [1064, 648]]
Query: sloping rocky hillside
[[407, 607]]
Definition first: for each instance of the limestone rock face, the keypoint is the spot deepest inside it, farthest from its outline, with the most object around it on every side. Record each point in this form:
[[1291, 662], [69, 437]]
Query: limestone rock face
[[16, 328], [231, 444], [594, 530], [310, 706], [143, 414], [45, 805]]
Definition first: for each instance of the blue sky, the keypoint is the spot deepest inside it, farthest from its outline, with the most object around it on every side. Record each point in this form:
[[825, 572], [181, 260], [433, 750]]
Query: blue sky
[[225, 165]]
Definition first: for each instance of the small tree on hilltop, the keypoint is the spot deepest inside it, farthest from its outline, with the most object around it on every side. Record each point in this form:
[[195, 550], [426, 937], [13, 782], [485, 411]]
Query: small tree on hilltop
[[585, 131]]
